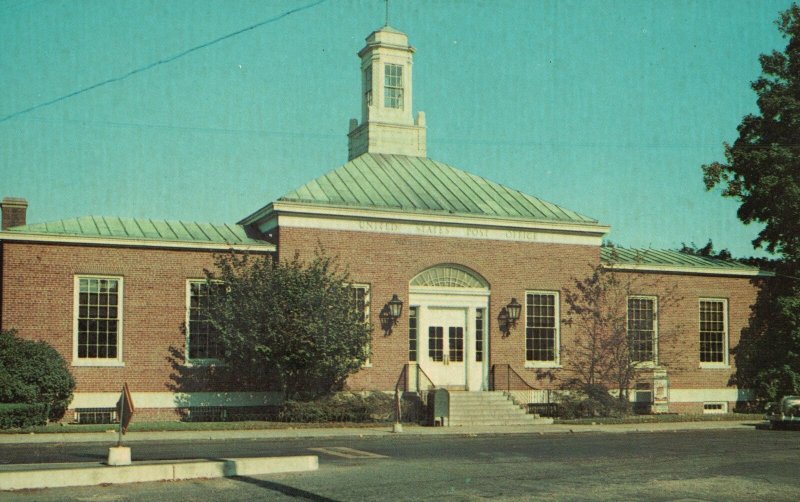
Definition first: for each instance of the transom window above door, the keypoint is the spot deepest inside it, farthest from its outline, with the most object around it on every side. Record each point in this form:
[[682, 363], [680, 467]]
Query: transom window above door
[[449, 276]]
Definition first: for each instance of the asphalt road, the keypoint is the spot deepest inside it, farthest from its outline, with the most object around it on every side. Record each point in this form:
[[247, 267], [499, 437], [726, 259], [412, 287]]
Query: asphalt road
[[696, 465]]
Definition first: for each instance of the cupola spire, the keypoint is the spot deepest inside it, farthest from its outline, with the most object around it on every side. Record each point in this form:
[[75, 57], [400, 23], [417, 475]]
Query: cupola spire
[[386, 124]]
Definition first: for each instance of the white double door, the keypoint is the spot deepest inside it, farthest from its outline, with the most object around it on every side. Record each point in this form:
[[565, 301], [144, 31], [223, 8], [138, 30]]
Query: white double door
[[447, 351]]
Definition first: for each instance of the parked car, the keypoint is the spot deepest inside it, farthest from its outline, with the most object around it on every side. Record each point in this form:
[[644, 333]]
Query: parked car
[[787, 411]]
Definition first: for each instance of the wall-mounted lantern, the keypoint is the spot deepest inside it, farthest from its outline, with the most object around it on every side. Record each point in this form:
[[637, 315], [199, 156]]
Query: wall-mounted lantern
[[513, 309], [508, 316], [390, 313]]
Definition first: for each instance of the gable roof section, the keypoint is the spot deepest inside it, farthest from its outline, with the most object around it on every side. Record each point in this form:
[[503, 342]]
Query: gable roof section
[[658, 260], [418, 184], [138, 231]]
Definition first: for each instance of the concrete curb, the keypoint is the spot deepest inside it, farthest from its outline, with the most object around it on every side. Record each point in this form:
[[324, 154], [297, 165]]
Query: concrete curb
[[36, 477]]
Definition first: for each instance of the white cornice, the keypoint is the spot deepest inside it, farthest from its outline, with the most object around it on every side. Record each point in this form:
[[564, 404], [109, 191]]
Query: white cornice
[[321, 210], [301, 215], [147, 243], [644, 267]]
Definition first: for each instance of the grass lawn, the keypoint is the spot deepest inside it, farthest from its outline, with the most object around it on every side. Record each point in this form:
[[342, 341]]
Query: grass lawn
[[261, 425], [184, 426], [651, 419]]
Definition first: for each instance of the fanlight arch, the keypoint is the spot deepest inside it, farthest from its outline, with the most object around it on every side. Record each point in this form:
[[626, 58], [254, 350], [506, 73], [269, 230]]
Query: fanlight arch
[[449, 276]]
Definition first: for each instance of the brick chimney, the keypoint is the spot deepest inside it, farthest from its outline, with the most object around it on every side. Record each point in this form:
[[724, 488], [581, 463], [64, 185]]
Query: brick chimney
[[14, 209]]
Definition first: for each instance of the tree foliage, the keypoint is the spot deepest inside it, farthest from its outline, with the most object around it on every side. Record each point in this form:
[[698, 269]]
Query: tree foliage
[[706, 251], [287, 325], [762, 167], [602, 352], [768, 355], [762, 171], [33, 372]]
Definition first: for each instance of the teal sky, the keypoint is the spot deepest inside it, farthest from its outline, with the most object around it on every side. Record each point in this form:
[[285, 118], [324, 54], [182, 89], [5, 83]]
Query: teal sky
[[607, 108]]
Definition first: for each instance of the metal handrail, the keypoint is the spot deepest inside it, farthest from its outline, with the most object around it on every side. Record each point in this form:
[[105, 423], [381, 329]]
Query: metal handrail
[[509, 372], [402, 379]]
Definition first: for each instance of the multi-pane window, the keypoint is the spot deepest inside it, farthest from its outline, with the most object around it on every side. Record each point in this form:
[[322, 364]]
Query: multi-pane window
[[98, 319], [361, 304], [456, 343], [479, 320], [642, 328], [393, 86], [360, 301], [436, 343], [541, 327], [413, 319], [368, 85], [713, 331], [203, 339]]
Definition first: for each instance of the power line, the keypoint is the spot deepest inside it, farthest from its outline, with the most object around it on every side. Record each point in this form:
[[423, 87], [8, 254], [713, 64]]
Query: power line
[[160, 62]]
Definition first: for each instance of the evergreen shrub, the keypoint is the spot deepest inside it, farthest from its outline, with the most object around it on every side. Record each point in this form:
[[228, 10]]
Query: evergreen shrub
[[33, 372]]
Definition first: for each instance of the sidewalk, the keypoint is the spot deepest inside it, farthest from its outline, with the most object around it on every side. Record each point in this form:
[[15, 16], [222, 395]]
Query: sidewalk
[[382, 430]]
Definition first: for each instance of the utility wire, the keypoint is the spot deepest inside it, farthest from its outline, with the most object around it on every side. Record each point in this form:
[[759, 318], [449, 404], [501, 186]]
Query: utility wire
[[160, 62]]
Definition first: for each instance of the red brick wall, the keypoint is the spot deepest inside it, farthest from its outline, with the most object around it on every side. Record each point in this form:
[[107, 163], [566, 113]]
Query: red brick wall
[[38, 301], [38, 281], [388, 262]]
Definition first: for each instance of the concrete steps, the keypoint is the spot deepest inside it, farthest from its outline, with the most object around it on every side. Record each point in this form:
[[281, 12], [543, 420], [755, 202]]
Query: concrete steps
[[488, 408]]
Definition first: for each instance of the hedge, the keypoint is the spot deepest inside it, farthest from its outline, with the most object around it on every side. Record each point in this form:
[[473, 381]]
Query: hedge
[[21, 415]]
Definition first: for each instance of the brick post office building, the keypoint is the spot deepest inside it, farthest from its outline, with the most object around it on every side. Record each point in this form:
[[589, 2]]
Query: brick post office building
[[121, 299]]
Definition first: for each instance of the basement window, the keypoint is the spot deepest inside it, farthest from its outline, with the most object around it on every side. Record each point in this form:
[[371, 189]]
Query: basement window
[[711, 408], [96, 415]]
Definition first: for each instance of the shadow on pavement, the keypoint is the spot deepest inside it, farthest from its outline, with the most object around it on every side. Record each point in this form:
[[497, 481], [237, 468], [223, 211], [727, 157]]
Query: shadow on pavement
[[284, 489]]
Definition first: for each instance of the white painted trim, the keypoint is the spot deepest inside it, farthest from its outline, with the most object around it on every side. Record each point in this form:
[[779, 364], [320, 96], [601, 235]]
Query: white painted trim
[[76, 287], [726, 337], [111, 241], [709, 395], [641, 267], [430, 290], [176, 399], [556, 363], [300, 215]]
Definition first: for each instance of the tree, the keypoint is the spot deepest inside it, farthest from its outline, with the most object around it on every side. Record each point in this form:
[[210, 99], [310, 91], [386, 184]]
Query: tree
[[762, 171], [706, 251], [609, 347], [762, 168], [287, 325], [33, 372]]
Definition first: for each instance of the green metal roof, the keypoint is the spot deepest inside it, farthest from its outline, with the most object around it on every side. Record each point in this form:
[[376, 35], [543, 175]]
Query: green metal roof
[[419, 184], [142, 229], [668, 258]]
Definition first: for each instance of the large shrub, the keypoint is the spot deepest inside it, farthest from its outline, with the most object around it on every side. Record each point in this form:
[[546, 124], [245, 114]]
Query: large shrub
[[18, 416], [33, 372], [291, 326]]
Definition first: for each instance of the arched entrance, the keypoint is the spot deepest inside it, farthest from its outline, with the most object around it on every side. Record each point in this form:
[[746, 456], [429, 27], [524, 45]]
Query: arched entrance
[[450, 304]]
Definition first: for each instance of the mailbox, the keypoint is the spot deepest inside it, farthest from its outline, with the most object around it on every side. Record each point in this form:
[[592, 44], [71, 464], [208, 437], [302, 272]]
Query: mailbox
[[440, 405]]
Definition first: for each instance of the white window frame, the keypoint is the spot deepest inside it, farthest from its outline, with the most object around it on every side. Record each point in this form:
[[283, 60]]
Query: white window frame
[[725, 335], [391, 89], [366, 288], [95, 361], [556, 362], [206, 361], [654, 361], [416, 310]]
